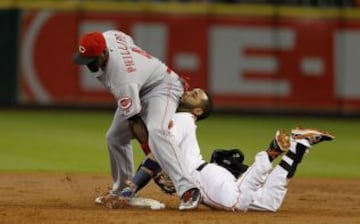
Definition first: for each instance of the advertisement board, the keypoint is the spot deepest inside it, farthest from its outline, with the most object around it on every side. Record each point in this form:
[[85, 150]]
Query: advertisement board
[[295, 63]]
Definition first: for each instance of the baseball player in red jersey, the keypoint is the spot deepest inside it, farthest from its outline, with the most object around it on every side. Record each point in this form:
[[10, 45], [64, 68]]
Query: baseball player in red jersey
[[261, 187], [147, 94]]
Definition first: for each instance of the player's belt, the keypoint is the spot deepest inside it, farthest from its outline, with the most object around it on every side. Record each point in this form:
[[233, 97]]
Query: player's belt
[[201, 166]]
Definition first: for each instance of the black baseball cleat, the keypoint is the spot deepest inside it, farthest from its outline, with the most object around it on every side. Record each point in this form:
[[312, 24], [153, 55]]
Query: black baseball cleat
[[190, 199]]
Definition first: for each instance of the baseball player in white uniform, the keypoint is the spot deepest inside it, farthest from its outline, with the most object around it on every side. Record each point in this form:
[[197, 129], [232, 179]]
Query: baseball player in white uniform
[[147, 93], [261, 187]]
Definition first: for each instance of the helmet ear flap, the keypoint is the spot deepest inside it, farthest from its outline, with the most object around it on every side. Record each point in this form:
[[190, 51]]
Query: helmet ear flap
[[230, 159]]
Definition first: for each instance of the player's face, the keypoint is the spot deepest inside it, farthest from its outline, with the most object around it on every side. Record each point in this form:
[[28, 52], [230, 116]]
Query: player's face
[[96, 65], [194, 98]]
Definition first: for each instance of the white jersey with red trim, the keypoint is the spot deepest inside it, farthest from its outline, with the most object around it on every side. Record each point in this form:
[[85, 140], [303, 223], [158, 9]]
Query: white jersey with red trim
[[184, 130]]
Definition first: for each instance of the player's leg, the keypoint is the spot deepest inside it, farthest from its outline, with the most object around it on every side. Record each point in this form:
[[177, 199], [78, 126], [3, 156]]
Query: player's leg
[[301, 141], [218, 187], [161, 106], [118, 139], [252, 180], [145, 172], [272, 194]]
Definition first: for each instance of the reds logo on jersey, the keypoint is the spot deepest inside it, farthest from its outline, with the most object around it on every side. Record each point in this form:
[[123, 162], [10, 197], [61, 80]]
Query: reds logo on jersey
[[125, 103]]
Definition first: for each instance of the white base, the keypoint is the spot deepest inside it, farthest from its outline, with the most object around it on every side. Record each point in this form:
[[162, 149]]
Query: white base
[[146, 203], [138, 202]]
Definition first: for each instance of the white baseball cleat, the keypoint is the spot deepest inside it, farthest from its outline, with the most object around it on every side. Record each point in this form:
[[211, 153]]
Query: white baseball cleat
[[309, 137], [126, 193], [105, 197], [190, 199], [99, 200]]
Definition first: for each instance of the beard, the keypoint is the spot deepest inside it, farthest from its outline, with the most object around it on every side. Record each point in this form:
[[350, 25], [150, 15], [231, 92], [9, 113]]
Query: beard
[[185, 107], [93, 68]]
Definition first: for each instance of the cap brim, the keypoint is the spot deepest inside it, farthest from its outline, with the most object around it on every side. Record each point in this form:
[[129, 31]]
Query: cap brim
[[78, 59]]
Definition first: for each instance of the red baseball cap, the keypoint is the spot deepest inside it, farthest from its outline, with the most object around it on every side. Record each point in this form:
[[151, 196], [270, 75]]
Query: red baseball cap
[[91, 45]]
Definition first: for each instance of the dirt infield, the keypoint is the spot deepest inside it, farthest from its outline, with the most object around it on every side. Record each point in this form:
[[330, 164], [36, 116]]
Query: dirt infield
[[68, 198]]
